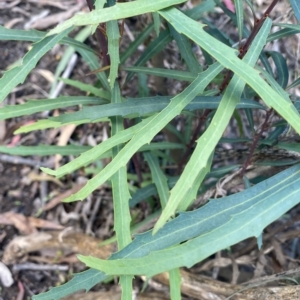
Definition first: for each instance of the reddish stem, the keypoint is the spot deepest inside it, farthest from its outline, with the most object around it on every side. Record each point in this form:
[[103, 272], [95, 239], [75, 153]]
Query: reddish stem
[[256, 140], [101, 38]]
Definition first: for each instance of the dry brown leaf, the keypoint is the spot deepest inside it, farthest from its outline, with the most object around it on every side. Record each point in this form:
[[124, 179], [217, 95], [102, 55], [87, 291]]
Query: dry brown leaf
[[63, 241], [46, 22], [59, 4], [200, 287], [66, 132], [2, 130], [19, 221], [40, 223], [47, 74], [13, 22], [57, 200], [33, 176], [26, 225]]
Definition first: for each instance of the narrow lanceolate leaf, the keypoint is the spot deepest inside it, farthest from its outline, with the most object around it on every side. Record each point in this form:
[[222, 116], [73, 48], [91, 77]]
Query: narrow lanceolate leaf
[[290, 26], [283, 33], [121, 197], [295, 83], [93, 62], [33, 106], [281, 68], [296, 8], [186, 51], [99, 4], [158, 178], [113, 36], [150, 127], [85, 51], [17, 75], [87, 88], [44, 150], [81, 281], [7, 34], [175, 282], [227, 57], [156, 21], [68, 54], [118, 11], [193, 191], [249, 213], [274, 84], [136, 43], [239, 9], [174, 74], [130, 108], [153, 48], [91, 155], [246, 215], [197, 165]]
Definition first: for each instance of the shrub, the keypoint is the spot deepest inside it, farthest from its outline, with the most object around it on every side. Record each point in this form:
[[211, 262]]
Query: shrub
[[251, 73]]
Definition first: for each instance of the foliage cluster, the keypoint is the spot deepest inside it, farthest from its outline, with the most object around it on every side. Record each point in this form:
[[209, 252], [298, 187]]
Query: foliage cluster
[[254, 73]]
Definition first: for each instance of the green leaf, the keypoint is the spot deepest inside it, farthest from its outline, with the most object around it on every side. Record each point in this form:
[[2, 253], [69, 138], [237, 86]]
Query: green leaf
[[86, 52], [81, 281], [99, 4], [215, 229], [148, 128], [275, 85], [136, 43], [44, 150], [32, 35], [295, 83], [148, 191], [121, 197], [204, 7], [290, 26], [113, 35], [94, 153], [283, 33], [186, 52], [229, 60], [120, 190], [281, 68], [16, 75], [158, 177], [118, 11], [130, 108], [156, 21], [153, 48], [264, 59], [239, 8], [33, 106], [175, 282], [87, 88], [174, 74], [230, 220], [93, 61], [296, 8], [65, 59], [197, 165]]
